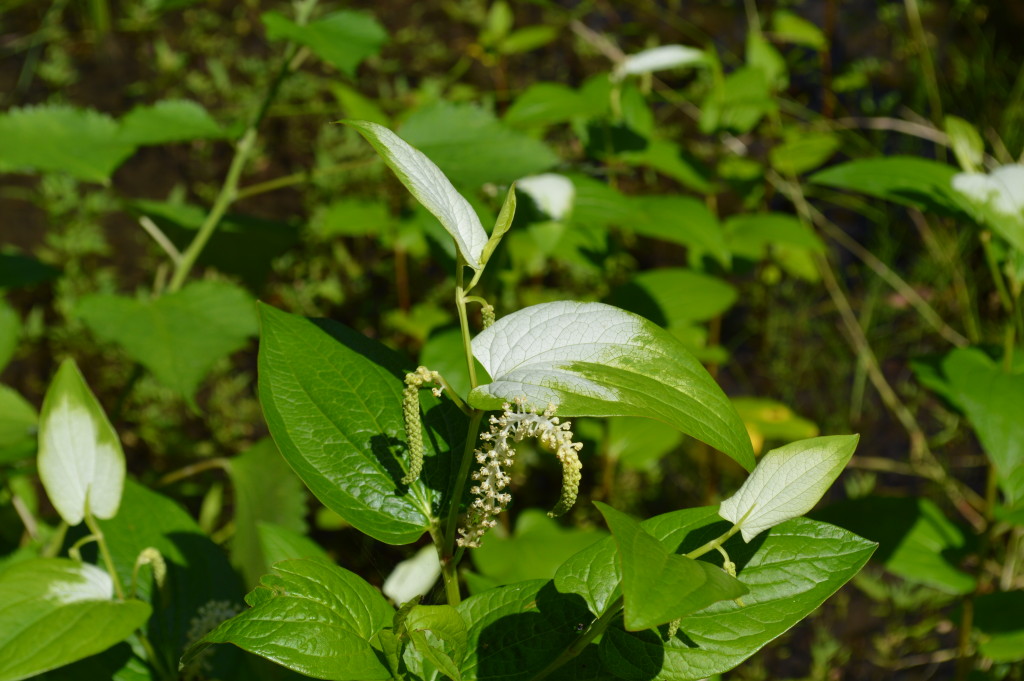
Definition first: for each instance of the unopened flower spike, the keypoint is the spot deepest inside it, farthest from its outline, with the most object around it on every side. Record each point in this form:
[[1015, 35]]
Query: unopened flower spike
[[497, 454], [415, 380], [487, 314]]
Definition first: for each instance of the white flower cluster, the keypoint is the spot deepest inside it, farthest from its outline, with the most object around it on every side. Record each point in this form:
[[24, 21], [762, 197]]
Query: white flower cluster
[[207, 618], [498, 454]]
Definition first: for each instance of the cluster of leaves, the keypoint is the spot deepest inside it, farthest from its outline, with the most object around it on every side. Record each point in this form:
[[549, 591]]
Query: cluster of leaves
[[677, 185]]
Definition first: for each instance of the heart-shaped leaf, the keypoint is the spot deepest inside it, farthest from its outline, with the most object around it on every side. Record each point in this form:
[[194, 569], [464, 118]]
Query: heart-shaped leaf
[[657, 585], [333, 401], [178, 336], [81, 463], [56, 611], [787, 483], [591, 359]]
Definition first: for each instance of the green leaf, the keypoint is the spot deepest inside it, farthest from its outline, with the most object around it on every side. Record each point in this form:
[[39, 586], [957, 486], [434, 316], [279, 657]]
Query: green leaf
[[591, 359], [333, 401], [517, 630], [10, 331], [508, 212], [787, 483], [791, 28], [18, 270], [54, 138], [428, 184], [770, 420], [638, 443], [790, 571], [803, 151], [915, 540], [535, 551], [56, 611], [81, 463], [313, 618], [414, 577], [669, 159], [472, 147], [179, 336], [358, 107], [741, 100], [544, 104], [763, 56], [440, 635], [351, 217], [674, 297], [660, 59], [279, 543], [528, 39], [681, 220], [169, 120], [266, 490], [18, 421], [200, 587], [343, 39], [997, 621], [991, 399], [657, 585], [906, 180], [966, 141]]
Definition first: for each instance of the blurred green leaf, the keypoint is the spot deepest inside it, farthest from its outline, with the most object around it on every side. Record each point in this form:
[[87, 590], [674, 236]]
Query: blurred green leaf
[[915, 540], [907, 180], [355, 106], [169, 120], [351, 217], [18, 270], [999, 625], [279, 543], [966, 141], [738, 102], [179, 336], [527, 39], [56, 138], [10, 332], [770, 420], [763, 56], [681, 220], [343, 39], [266, 491], [803, 151], [638, 443], [791, 28], [543, 104], [674, 296], [536, 549], [472, 147], [18, 420], [669, 159]]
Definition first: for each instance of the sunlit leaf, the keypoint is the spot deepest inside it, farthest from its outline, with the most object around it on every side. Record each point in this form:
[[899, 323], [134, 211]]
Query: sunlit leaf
[[343, 39]]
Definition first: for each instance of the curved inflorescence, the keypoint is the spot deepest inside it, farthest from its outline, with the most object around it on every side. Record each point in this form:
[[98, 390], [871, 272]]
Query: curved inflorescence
[[497, 454], [411, 413]]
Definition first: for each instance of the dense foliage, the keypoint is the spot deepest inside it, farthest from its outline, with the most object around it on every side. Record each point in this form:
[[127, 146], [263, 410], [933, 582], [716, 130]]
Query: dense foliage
[[358, 337]]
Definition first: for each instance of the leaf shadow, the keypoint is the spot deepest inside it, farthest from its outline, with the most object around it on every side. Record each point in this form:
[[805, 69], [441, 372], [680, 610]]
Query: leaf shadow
[[516, 647]]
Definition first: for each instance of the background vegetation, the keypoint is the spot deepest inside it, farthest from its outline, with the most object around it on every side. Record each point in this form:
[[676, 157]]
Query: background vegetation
[[716, 198]]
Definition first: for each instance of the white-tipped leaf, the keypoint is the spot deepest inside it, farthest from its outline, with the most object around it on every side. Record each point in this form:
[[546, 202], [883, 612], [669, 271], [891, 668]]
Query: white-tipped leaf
[[81, 463], [554, 194], [414, 576], [591, 359], [996, 200], [787, 483], [431, 187], [659, 59]]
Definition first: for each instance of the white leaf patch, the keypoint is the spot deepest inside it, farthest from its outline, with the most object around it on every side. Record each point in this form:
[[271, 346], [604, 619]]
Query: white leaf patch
[[80, 582], [81, 463], [413, 577], [787, 483], [529, 352], [429, 185], [659, 59], [554, 194]]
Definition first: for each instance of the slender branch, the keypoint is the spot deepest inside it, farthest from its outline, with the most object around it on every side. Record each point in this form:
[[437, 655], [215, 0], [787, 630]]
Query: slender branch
[[449, 560], [108, 560], [596, 628], [160, 238], [300, 177]]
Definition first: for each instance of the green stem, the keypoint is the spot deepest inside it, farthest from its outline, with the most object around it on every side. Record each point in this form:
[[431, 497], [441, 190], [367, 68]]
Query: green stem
[[299, 178], [931, 80], [460, 305], [714, 544], [243, 150], [993, 268], [449, 560], [108, 560]]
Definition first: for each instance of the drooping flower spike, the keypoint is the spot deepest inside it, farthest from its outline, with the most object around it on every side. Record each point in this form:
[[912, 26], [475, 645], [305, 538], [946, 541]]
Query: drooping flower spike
[[497, 454]]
